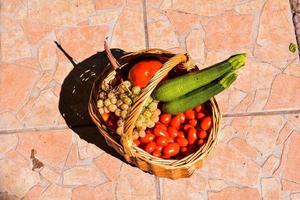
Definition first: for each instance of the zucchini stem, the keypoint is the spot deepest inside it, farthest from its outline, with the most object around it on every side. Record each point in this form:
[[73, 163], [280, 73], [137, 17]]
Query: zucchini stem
[[238, 60]]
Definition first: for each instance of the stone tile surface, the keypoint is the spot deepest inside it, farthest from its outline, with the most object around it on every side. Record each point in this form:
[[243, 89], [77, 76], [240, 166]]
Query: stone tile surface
[[238, 169], [66, 175], [238, 166], [211, 32], [33, 68], [257, 156]]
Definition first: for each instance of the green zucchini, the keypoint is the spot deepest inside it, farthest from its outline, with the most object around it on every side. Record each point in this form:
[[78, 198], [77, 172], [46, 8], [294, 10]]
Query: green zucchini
[[200, 95], [177, 87]]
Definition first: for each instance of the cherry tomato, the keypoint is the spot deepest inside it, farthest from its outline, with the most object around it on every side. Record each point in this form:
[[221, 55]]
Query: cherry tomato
[[158, 148], [162, 141], [192, 135], [149, 137], [136, 143], [175, 122], [166, 156], [161, 125], [202, 134], [141, 73], [148, 131], [150, 147], [181, 141], [200, 115], [158, 131], [193, 122], [171, 149], [201, 142], [156, 153], [206, 123], [184, 150], [182, 117], [187, 127], [198, 108], [105, 116], [165, 118], [180, 134], [172, 131], [190, 114], [171, 140]]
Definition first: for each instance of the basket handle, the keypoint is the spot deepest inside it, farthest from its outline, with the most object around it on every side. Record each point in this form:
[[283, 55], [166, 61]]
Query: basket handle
[[126, 137]]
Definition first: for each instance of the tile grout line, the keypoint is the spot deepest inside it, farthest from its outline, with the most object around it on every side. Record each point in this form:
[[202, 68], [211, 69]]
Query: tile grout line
[[23, 130], [145, 24], [262, 113], [157, 188]]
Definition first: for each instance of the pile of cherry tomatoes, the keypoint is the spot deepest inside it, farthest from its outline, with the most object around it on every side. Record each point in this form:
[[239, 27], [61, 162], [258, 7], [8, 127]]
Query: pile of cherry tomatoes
[[175, 137]]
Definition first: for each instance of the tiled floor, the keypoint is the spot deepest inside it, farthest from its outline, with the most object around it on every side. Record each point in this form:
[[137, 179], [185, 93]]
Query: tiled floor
[[258, 154]]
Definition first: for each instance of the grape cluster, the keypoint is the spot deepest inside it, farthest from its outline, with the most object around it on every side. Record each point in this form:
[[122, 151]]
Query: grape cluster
[[119, 101]]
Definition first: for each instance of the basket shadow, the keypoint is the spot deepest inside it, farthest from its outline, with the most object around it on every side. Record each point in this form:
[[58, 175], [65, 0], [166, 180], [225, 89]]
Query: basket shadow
[[74, 97]]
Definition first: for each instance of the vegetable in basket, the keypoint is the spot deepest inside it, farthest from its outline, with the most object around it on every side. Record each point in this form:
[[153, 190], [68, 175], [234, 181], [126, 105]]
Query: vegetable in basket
[[177, 87]]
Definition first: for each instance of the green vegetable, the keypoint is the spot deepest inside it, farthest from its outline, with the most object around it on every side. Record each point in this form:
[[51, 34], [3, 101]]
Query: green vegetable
[[200, 95], [177, 87]]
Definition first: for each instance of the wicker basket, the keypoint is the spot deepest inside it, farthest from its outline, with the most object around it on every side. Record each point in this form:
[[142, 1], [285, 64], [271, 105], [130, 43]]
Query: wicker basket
[[161, 167]]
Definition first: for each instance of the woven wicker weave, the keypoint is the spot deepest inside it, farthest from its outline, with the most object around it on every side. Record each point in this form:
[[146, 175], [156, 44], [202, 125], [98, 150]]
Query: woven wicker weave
[[161, 167]]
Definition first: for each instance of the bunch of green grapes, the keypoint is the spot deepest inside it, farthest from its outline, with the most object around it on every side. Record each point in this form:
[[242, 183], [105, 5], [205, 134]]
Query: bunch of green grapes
[[120, 100]]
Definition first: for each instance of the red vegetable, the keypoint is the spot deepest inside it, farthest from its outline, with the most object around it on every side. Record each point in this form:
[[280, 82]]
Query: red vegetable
[[165, 118], [158, 148], [171, 149], [201, 142], [198, 108], [171, 140], [161, 125], [202, 134], [187, 127], [181, 117], [156, 153], [180, 134], [150, 147], [193, 122], [166, 156], [141, 73], [159, 131], [105, 116], [181, 141], [136, 143], [162, 141], [172, 132], [175, 122], [190, 114], [200, 115], [192, 135], [149, 137], [206, 123], [184, 150]]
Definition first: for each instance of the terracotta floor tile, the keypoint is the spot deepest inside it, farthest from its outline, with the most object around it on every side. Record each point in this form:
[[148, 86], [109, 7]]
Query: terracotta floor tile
[[52, 147], [239, 30], [187, 188], [128, 32], [27, 44], [257, 156], [231, 193], [232, 168]]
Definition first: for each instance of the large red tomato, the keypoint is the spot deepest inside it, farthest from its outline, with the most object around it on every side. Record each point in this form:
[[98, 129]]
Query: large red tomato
[[141, 73]]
